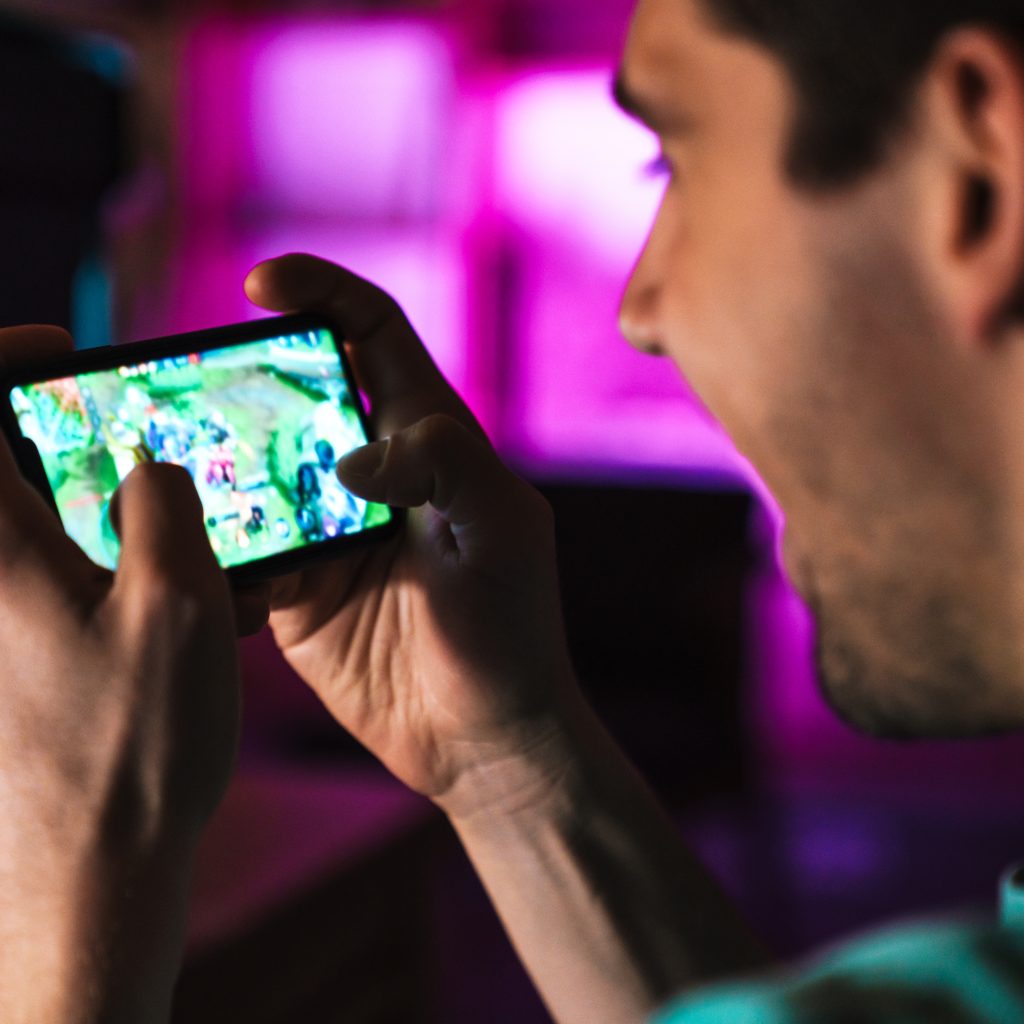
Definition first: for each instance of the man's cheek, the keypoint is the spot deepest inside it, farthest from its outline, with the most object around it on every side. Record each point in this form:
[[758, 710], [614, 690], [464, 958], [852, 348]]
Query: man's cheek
[[712, 337]]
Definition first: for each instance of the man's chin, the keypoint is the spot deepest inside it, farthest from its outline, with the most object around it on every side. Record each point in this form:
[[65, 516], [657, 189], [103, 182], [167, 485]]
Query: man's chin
[[865, 713], [882, 703], [894, 666], [856, 678]]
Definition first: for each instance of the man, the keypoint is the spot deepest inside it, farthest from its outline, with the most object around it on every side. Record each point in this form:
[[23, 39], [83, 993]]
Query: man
[[837, 267]]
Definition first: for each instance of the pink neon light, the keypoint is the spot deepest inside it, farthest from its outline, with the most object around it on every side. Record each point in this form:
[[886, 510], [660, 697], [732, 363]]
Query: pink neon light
[[569, 163], [349, 118]]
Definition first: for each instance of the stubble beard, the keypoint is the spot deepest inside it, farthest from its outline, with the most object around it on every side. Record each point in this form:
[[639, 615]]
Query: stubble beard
[[899, 662]]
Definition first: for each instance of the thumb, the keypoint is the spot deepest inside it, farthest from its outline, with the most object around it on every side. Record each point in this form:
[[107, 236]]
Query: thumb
[[438, 462], [159, 519]]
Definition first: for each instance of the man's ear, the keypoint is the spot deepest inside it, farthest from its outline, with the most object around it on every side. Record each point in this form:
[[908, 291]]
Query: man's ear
[[974, 106]]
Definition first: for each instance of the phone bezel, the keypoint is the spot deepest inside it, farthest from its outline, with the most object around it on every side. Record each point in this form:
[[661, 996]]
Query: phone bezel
[[113, 356]]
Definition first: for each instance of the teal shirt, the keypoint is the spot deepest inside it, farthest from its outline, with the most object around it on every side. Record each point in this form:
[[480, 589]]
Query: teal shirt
[[929, 973]]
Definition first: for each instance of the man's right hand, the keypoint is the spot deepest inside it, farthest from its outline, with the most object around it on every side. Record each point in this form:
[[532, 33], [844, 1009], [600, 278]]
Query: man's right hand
[[442, 652]]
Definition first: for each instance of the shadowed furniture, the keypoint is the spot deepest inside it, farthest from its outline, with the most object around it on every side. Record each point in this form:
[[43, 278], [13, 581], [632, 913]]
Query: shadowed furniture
[[311, 903]]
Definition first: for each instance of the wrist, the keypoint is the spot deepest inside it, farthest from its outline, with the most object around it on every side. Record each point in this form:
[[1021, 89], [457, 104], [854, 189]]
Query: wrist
[[535, 772]]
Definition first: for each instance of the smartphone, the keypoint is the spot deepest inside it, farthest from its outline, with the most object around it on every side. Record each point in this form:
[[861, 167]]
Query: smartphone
[[258, 413]]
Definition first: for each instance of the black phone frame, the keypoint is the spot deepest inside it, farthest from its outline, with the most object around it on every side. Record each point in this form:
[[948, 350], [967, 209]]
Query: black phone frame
[[111, 357]]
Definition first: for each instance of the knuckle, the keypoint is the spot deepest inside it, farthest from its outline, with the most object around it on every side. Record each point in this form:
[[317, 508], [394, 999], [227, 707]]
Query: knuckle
[[388, 309], [384, 314], [540, 507], [171, 602], [439, 431], [538, 514], [391, 310]]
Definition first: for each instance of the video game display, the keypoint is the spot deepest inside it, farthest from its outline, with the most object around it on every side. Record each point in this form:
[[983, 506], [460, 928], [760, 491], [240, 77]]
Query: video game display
[[259, 426]]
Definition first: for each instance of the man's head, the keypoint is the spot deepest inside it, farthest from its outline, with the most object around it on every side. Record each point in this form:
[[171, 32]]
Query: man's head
[[837, 267]]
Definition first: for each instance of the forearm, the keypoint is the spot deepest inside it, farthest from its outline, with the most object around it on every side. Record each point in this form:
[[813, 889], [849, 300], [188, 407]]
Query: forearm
[[101, 942], [609, 911]]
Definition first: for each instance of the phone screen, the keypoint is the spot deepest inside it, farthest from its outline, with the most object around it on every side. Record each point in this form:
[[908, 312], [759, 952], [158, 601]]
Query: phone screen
[[258, 424]]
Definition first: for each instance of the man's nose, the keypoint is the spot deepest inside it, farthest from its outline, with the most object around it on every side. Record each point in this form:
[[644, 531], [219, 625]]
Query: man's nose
[[638, 314]]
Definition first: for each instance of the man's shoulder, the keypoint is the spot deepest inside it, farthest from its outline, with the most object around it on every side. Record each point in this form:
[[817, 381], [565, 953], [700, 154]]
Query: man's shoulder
[[936, 972]]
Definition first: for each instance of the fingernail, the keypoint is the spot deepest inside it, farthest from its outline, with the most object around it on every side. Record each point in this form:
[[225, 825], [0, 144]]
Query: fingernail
[[363, 463]]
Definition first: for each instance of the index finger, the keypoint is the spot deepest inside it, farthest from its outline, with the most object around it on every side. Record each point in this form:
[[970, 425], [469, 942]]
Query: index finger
[[159, 518], [392, 364]]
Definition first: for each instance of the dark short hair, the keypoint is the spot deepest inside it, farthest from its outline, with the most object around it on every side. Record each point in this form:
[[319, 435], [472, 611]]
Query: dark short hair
[[854, 64]]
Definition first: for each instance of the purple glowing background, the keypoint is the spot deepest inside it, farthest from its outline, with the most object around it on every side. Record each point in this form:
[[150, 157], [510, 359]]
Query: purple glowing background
[[350, 120], [569, 164]]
